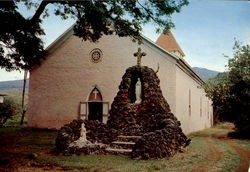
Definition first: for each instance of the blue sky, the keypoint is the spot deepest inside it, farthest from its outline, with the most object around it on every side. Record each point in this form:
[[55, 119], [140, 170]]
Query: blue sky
[[205, 30]]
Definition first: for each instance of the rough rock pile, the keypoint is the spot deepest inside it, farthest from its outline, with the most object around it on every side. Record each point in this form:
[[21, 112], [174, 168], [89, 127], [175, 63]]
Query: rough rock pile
[[97, 133], [152, 119]]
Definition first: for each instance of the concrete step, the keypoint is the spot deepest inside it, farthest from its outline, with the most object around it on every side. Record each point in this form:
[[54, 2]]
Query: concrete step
[[118, 151]]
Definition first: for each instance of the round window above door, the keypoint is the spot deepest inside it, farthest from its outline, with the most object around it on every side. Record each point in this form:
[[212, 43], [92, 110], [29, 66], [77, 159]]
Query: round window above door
[[96, 55]]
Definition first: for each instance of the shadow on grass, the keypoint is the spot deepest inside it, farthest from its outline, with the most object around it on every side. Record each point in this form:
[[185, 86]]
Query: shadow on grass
[[239, 134]]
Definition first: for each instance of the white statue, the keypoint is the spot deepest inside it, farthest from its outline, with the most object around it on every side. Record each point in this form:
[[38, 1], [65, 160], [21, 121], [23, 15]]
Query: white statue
[[83, 136], [82, 141], [138, 91]]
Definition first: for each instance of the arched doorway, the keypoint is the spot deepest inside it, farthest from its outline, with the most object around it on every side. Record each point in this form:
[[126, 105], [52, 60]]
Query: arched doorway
[[95, 105], [94, 108]]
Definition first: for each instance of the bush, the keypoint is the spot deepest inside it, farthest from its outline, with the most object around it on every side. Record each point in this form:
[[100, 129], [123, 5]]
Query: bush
[[230, 91], [8, 109]]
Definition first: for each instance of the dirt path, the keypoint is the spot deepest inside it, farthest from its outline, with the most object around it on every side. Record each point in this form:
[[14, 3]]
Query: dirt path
[[214, 156], [209, 161], [244, 156]]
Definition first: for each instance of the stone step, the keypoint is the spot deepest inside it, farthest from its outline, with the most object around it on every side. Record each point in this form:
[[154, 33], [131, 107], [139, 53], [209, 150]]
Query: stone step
[[123, 138], [129, 137], [119, 151], [124, 143]]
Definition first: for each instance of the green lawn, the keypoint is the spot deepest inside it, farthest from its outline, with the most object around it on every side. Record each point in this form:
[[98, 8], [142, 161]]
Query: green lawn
[[17, 145]]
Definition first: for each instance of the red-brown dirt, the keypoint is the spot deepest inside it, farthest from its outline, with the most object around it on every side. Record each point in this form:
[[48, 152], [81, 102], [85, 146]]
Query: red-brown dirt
[[209, 161], [244, 156]]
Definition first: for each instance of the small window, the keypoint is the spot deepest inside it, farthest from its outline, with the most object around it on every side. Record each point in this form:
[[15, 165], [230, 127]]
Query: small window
[[207, 109], [105, 108], [189, 102], [201, 106], [83, 110]]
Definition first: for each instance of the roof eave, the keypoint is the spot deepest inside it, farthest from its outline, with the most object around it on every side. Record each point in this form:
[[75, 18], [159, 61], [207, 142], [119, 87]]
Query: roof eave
[[186, 66], [63, 37]]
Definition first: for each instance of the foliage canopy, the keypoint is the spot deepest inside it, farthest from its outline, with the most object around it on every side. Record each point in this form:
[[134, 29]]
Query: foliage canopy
[[230, 91], [21, 46]]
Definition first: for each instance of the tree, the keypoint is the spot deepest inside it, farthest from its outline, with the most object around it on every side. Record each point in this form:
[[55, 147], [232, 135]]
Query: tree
[[239, 87], [94, 18], [217, 90], [230, 91], [8, 109]]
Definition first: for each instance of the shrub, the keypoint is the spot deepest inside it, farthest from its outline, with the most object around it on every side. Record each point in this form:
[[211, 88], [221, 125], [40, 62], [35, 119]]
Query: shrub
[[8, 109]]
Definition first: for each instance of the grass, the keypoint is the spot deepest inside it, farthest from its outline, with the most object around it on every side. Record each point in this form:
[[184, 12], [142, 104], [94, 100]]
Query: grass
[[18, 143], [15, 121], [124, 163], [230, 160], [244, 144]]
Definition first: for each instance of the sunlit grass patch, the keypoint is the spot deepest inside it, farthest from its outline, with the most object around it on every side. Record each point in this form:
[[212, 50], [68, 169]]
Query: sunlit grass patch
[[245, 144], [19, 143], [230, 160], [215, 131], [195, 153]]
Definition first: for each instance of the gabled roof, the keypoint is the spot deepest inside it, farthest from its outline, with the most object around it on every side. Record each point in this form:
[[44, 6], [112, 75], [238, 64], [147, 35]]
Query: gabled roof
[[168, 42], [180, 61]]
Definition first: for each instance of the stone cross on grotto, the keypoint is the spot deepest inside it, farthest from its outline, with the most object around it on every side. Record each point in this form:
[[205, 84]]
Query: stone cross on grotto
[[139, 55]]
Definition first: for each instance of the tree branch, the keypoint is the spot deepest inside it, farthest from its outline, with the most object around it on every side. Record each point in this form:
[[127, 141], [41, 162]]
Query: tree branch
[[148, 11], [39, 11]]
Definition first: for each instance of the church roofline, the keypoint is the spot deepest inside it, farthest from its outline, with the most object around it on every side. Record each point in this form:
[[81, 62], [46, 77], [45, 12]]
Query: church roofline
[[58, 41], [159, 47], [184, 65], [181, 62], [169, 43]]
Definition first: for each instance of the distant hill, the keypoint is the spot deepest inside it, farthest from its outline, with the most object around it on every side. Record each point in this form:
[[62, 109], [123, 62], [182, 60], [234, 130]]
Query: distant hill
[[10, 85], [205, 73]]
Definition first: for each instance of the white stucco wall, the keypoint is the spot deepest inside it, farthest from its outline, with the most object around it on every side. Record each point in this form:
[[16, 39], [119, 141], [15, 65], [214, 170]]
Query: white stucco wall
[[67, 76], [189, 92]]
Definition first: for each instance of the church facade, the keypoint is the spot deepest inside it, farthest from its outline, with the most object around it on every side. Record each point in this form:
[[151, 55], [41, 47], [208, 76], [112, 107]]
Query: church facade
[[79, 79]]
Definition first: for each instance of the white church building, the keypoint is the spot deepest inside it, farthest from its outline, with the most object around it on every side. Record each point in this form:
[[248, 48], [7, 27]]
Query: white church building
[[79, 79]]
